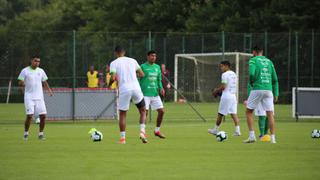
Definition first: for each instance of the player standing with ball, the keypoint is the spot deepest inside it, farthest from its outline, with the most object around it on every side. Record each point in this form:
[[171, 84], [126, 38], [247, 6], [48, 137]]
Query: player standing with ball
[[228, 102], [31, 79]]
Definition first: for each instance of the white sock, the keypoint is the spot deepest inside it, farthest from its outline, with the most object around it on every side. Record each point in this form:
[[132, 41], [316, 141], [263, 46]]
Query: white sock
[[273, 137], [40, 133], [238, 129], [26, 133], [252, 135], [123, 134], [157, 129], [216, 128], [143, 128]]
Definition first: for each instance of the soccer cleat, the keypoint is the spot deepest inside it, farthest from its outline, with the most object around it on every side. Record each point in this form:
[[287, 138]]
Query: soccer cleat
[[250, 140], [143, 137], [213, 131], [160, 135], [122, 141], [273, 141], [236, 133], [41, 137], [25, 137], [265, 138]]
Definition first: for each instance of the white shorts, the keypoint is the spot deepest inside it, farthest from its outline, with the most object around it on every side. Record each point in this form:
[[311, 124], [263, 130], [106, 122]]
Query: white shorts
[[155, 102], [36, 107], [259, 111], [125, 97], [228, 105], [264, 97]]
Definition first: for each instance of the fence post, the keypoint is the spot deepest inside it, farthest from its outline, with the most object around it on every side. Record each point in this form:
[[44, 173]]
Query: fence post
[[297, 73], [289, 62], [266, 43], [223, 45], [73, 74], [150, 41], [202, 43], [164, 50], [312, 58]]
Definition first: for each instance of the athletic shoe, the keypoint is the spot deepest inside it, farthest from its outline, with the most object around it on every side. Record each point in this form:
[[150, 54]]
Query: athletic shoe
[[25, 137], [41, 137], [160, 135], [250, 140], [213, 131], [143, 137], [122, 140], [273, 141], [265, 138], [236, 133]]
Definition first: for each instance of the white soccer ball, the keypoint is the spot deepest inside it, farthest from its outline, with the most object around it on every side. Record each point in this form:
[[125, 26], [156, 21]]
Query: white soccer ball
[[221, 136], [96, 136], [315, 133], [37, 121]]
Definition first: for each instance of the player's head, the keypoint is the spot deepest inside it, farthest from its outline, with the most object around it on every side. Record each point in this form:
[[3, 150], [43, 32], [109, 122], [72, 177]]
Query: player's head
[[35, 61], [257, 51], [225, 66], [152, 56], [119, 51], [163, 67], [91, 68]]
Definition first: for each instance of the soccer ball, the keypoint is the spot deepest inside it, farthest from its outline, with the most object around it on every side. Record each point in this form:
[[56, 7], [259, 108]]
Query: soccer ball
[[96, 136], [37, 121], [221, 136], [315, 133]]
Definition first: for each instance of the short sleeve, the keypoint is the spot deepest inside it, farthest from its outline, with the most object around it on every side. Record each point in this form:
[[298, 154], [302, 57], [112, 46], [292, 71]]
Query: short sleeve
[[22, 75], [224, 79], [137, 66], [113, 68], [44, 76]]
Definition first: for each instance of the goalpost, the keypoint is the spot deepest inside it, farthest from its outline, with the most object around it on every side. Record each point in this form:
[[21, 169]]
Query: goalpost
[[197, 74]]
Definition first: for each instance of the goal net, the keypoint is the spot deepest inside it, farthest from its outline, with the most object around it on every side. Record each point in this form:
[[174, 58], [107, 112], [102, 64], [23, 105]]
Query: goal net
[[196, 75]]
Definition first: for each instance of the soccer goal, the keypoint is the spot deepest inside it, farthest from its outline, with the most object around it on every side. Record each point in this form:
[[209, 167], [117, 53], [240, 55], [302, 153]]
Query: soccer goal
[[195, 75]]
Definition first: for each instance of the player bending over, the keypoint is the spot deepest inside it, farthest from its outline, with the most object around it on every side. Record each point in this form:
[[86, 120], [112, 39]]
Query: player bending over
[[151, 86], [31, 79], [126, 70], [228, 101]]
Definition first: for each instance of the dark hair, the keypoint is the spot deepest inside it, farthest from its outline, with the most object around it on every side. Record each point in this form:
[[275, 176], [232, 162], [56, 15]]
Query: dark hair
[[151, 52], [226, 63], [118, 49], [257, 48], [35, 57]]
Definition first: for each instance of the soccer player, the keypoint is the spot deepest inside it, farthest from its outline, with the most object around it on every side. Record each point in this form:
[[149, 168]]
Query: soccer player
[[151, 86], [92, 76], [31, 79], [126, 70], [265, 90], [165, 83], [228, 101]]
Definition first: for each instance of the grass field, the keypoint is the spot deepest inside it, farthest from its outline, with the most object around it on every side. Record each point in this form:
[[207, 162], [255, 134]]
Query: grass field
[[189, 152]]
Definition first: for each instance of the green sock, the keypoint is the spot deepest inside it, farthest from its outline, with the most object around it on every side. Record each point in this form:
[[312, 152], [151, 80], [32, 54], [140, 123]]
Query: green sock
[[266, 128], [262, 124]]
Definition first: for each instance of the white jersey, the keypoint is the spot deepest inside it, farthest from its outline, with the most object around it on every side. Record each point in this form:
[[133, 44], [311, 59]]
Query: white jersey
[[126, 68], [230, 79], [33, 79]]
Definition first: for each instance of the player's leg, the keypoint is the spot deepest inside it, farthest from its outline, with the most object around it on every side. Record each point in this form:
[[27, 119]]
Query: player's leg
[[262, 125], [147, 101], [215, 130], [157, 104], [138, 100], [266, 127], [29, 109], [40, 108], [124, 102], [223, 111], [268, 105], [253, 101], [234, 116]]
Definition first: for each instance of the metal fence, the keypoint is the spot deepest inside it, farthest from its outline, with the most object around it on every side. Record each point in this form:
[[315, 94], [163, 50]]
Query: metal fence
[[67, 55]]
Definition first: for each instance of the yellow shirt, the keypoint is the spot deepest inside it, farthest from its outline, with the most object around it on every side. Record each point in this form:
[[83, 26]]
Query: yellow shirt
[[92, 79], [113, 85]]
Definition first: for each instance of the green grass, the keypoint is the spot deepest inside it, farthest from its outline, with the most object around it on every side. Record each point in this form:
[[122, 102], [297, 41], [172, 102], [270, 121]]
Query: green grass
[[189, 152]]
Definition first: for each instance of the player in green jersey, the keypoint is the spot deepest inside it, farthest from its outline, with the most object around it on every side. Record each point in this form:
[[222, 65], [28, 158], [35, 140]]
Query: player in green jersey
[[151, 86], [265, 90]]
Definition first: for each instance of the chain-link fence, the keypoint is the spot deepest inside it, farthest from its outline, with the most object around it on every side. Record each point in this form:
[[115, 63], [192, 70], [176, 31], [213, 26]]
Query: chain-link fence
[[66, 56]]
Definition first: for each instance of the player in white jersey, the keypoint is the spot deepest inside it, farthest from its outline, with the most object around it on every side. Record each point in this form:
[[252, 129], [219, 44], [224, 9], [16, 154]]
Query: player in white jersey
[[228, 101], [125, 71], [31, 79]]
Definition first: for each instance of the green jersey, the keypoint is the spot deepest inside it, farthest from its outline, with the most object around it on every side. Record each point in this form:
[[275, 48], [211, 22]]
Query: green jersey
[[262, 75], [151, 82]]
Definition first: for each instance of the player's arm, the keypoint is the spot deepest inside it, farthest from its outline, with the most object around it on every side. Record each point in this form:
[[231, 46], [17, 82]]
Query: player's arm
[[222, 86], [159, 81], [275, 84], [21, 83], [140, 73], [252, 71], [47, 87]]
